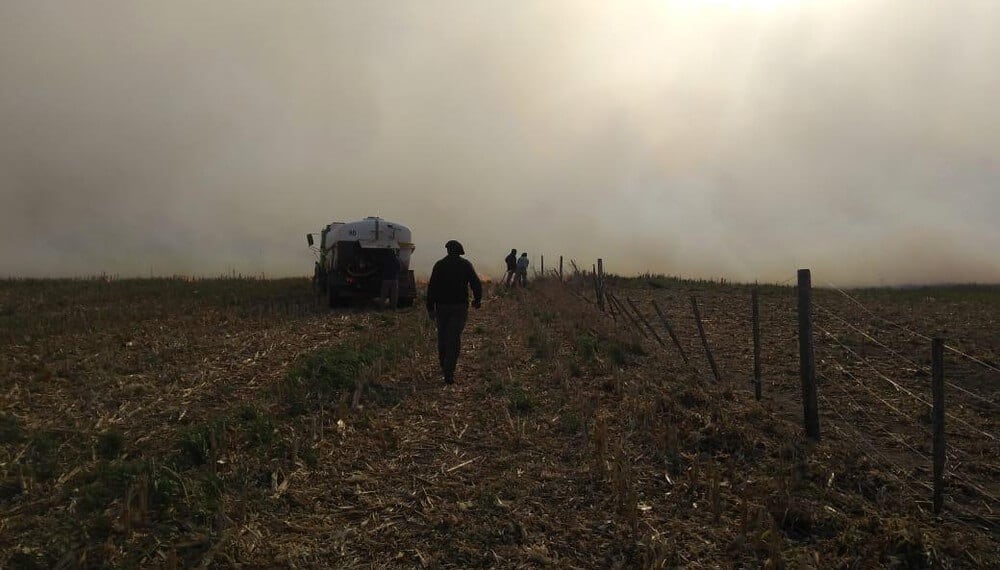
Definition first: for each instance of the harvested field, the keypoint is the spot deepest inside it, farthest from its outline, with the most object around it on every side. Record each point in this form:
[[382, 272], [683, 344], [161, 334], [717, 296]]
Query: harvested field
[[235, 423]]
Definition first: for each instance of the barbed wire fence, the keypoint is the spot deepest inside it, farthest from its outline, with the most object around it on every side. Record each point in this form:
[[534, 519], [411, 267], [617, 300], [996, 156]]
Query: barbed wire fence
[[874, 396]]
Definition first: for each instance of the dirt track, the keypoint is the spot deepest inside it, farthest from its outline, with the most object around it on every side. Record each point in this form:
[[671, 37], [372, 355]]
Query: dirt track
[[565, 442]]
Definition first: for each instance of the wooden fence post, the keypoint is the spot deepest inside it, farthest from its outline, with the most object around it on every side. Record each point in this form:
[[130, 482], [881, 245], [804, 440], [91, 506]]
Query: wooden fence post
[[937, 387], [807, 358], [622, 309], [704, 340], [670, 331], [543, 266], [560, 268], [755, 314], [611, 307], [597, 289], [645, 322], [600, 283]]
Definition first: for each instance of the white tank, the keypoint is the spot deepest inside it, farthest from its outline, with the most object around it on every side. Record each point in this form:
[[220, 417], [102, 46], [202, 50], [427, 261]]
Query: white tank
[[373, 233]]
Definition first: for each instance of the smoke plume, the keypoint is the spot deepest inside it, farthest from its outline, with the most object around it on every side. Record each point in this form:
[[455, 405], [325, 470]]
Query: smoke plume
[[715, 138]]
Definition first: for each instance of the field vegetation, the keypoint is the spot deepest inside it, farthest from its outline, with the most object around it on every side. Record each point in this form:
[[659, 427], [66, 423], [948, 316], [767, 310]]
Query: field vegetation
[[237, 422]]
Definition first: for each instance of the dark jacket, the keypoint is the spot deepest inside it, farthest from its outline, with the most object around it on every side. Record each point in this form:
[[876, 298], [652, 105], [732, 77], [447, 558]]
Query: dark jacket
[[511, 261], [450, 281]]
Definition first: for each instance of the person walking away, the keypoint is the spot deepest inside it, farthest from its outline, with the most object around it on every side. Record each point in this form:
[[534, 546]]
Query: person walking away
[[511, 261], [448, 303], [390, 279], [522, 270]]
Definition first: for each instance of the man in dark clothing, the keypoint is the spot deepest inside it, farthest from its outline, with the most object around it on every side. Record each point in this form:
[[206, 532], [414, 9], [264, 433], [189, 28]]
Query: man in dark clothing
[[511, 261], [390, 279], [448, 303]]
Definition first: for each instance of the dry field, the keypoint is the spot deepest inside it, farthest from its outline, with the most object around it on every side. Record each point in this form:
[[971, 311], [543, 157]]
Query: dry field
[[234, 423]]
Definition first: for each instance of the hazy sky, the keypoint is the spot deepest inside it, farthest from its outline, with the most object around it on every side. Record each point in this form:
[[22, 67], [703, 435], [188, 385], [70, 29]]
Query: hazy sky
[[731, 138]]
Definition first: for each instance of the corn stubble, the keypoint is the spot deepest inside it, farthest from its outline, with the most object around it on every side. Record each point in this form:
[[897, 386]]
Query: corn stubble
[[151, 425]]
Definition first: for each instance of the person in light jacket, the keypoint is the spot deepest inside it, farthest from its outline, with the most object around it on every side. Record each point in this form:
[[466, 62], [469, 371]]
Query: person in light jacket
[[522, 271]]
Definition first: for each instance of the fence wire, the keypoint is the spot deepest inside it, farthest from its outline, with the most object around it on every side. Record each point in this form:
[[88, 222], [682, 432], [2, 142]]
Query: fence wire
[[911, 332], [874, 450], [921, 367]]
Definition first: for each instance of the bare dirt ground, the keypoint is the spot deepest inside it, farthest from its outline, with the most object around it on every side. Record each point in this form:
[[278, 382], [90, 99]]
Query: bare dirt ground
[[234, 423]]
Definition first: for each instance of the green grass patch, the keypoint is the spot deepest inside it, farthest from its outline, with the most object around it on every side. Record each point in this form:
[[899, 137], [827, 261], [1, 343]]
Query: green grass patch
[[196, 494], [327, 374], [110, 444], [570, 423], [586, 346], [323, 375], [541, 344], [42, 456], [494, 386], [519, 401], [194, 445], [257, 427], [574, 368], [545, 316], [246, 426], [623, 353], [10, 429]]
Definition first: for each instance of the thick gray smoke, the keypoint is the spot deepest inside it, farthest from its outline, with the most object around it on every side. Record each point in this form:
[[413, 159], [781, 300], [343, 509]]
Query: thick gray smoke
[[741, 139]]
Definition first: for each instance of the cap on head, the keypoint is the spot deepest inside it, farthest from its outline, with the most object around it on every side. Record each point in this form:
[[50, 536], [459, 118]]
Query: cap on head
[[454, 247]]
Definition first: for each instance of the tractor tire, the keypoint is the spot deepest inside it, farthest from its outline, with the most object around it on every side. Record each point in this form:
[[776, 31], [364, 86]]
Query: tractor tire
[[319, 280]]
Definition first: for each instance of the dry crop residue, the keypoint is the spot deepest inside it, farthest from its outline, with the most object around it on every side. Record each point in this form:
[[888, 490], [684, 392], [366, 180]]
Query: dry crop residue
[[222, 423]]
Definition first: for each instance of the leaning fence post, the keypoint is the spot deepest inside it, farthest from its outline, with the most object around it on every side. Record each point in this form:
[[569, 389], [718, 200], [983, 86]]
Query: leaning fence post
[[670, 331], [704, 340], [644, 321], [621, 309], [807, 359], [937, 387], [755, 314]]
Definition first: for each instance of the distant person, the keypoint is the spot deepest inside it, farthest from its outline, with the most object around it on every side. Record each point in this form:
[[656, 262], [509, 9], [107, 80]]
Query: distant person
[[511, 261], [522, 271], [448, 303], [390, 279]]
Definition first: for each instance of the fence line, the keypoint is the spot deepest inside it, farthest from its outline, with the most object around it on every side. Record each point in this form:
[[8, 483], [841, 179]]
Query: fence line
[[879, 442], [954, 506], [861, 437], [912, 332], [900, 387], [922, 367], [952, 473], [895, 384], [847, 323], [860, 408]]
